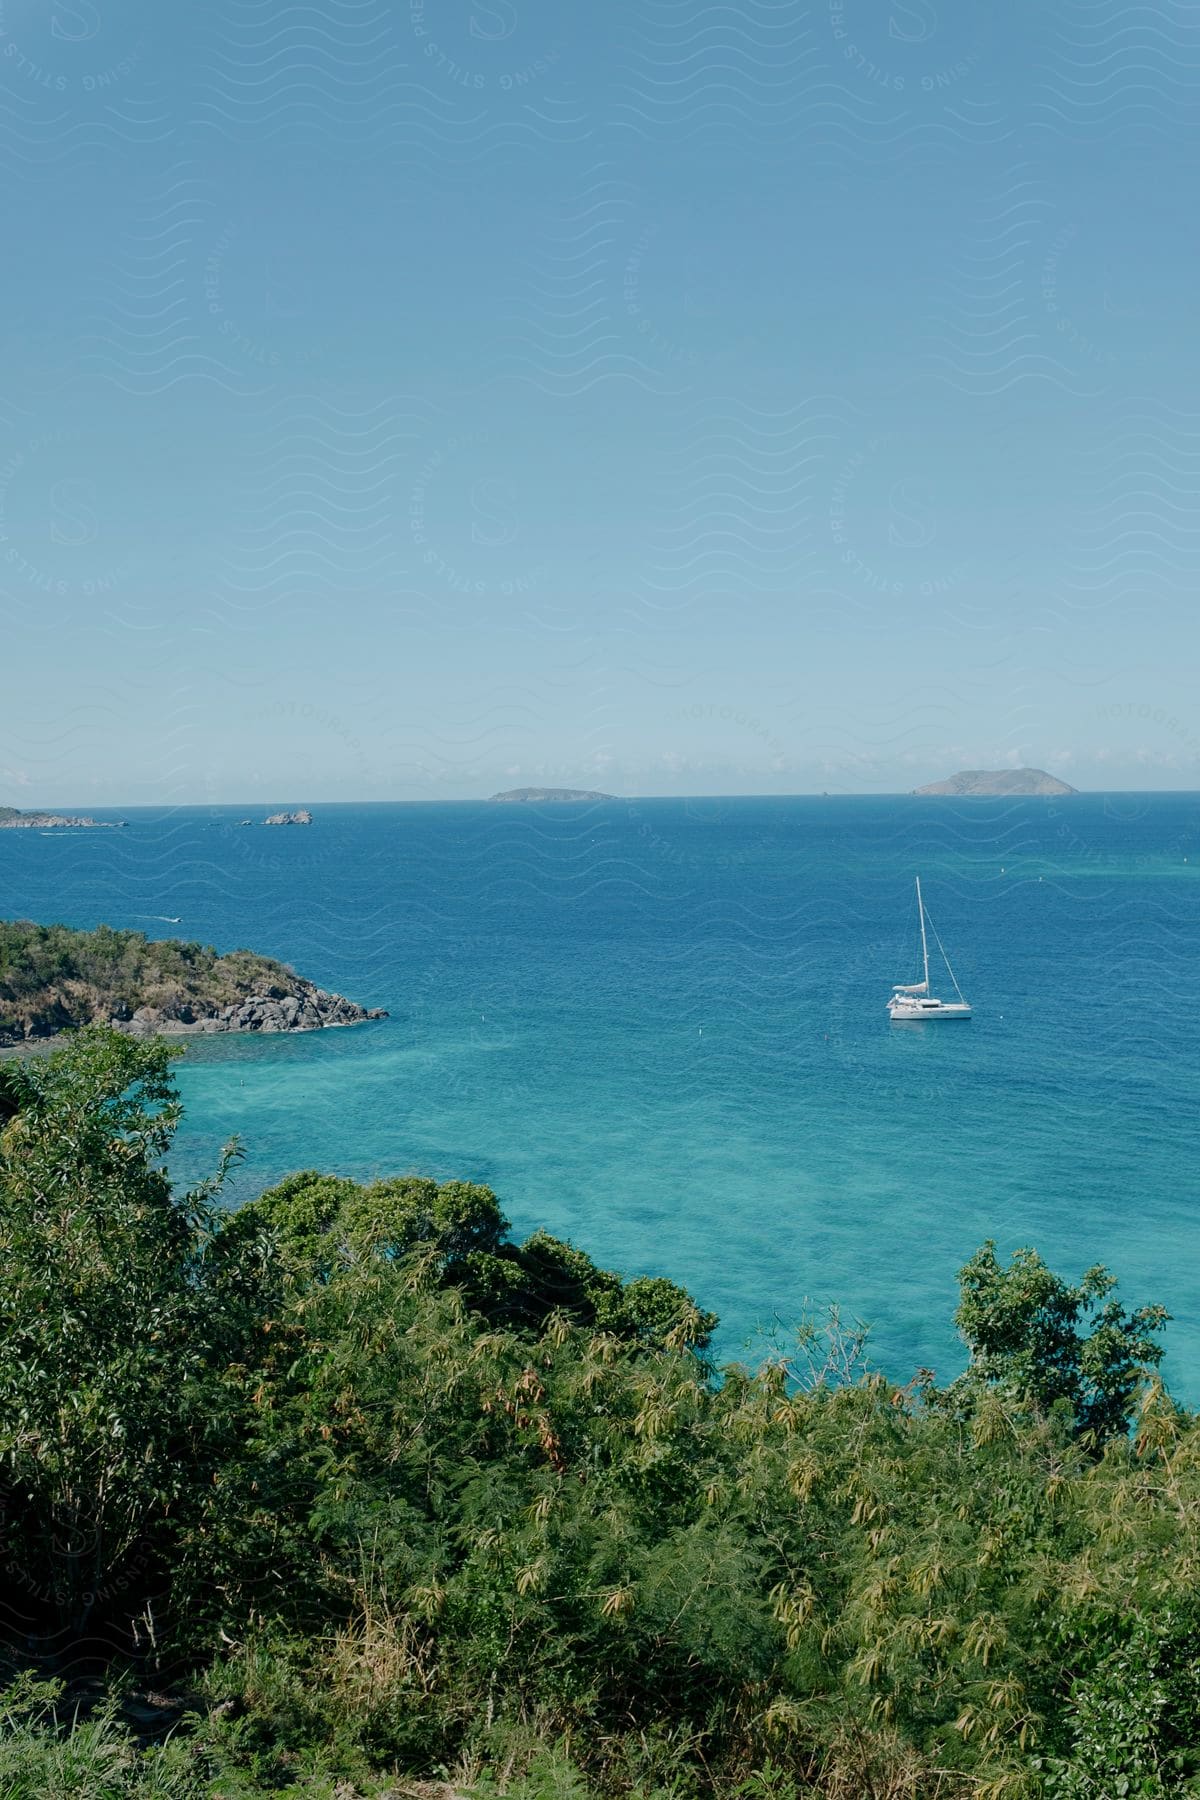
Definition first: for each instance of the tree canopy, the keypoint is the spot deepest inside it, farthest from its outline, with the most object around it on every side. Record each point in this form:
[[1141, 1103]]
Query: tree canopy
[[373, 1489], [1022, 1325]]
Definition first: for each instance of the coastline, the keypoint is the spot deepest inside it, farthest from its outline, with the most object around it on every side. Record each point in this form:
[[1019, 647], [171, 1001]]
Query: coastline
[[259, 1024], [178, 1032], [56, 978]]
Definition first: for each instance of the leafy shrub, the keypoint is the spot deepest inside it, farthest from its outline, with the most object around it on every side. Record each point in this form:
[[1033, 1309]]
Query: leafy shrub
[[1021, 1324], [46, 1757]]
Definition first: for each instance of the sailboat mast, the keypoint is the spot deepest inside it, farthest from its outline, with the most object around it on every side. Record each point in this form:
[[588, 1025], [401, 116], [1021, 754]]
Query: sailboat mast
[[924, 945]]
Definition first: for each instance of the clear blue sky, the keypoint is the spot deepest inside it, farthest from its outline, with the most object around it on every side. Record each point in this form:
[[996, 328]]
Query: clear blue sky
[[409, 398]]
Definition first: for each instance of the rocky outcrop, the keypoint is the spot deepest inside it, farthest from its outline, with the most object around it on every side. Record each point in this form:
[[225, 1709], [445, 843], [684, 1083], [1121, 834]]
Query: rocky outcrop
[[1004, 782], [53, 978], [302, 817], [11, 820], [305, 1008]]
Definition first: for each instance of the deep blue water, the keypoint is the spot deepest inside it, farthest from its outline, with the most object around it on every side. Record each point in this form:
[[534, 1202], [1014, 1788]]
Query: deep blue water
[[657, 1028]]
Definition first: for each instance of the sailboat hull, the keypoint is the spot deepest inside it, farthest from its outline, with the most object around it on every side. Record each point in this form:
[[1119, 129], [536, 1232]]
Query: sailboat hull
[[906, 1012]]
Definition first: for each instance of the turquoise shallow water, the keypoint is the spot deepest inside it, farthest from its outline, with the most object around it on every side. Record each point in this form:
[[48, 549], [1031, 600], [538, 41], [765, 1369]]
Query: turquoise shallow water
[[657, 1028]]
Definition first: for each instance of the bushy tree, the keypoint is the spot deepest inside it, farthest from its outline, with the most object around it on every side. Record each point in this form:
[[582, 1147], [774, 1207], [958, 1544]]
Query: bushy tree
[[325, 1224], [1056, 1343], [115, 1320]]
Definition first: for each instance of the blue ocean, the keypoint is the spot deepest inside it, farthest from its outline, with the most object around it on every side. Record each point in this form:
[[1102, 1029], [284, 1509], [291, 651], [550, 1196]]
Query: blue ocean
[[657, 1028]]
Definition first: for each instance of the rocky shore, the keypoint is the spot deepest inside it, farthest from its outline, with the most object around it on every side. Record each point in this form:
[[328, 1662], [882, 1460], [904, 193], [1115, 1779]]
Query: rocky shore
[[304, 1008], [12, 820]]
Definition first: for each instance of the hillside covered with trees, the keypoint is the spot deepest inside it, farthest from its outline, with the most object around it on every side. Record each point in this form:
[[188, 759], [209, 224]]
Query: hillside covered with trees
[[359, 1493], [53, 978]]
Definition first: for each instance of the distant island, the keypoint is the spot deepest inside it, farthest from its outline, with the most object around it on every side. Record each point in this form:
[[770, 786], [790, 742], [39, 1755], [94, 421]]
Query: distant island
[[53, 978], [1019, 782], [302, 817], [13, 820], [538, 795]]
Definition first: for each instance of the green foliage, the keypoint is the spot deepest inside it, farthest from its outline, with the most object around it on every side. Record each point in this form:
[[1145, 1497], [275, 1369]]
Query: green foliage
[[544, 1276], [325, 1224], [52, 977], [9, 1079], [112, 1321], [1133, 1716], [43, 1758], [1022, 1326], [397, 1494]]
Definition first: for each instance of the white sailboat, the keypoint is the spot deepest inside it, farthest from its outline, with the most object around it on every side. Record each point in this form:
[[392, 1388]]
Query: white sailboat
[[915, 1001]]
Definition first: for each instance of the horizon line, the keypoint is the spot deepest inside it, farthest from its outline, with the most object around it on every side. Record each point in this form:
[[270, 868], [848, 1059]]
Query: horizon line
[[95, 806]]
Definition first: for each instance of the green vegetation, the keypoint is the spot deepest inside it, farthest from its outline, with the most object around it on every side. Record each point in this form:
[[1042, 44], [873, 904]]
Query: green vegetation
[[1007, 782], [382, 1498], [53, 978]]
